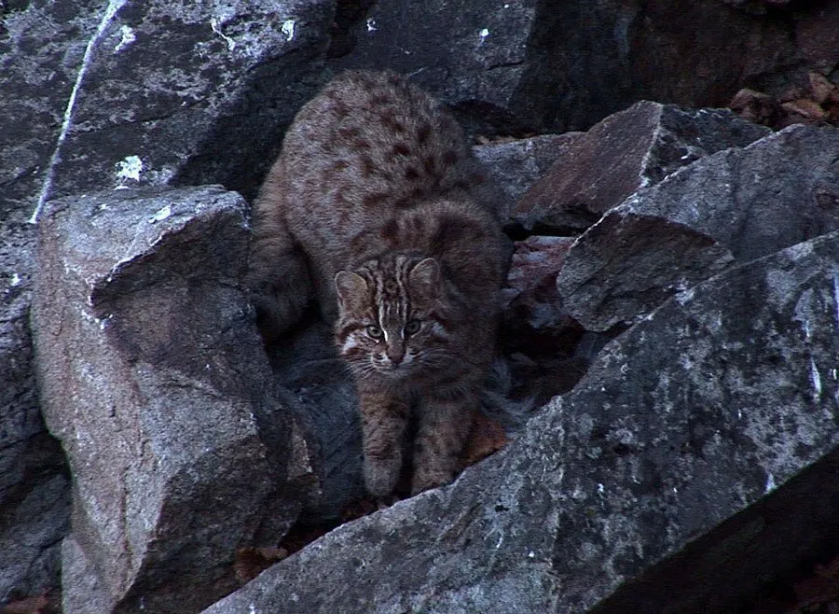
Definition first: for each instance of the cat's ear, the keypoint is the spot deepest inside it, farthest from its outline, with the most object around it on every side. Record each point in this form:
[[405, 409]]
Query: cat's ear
[[352, 290], [425, 280]]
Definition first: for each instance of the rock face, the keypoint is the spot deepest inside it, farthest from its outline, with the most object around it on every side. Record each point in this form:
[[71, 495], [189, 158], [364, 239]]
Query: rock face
[[471, 55], [154, 380], [150, 93], [744, 202], [94, 95], [629, 150], [99, 94], [545, 66], [613, 497]]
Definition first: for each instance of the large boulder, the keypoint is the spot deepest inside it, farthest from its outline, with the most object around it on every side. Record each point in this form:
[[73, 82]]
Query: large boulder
[[153, 377], [626, 151], [735, 205], [691, 465], [100, 94], [517, 66]]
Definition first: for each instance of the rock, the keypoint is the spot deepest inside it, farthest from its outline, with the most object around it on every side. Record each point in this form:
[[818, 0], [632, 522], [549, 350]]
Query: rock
[[321, 395], [814, 31], [191, 95], [153, 378], [690, 465], [472, 56], [626, 151], [102, 94], [750, 202], [531, 281], [725, 50], [34, 480], [515, 67], [537, 332], [514, 166], [758, 107], [126, 94]]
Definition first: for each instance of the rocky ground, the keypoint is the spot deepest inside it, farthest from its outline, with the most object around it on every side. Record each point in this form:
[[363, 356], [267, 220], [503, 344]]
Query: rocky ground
[[669, 341]]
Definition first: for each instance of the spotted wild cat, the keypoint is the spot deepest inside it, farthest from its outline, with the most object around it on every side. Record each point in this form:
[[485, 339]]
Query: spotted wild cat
[[376, 208]]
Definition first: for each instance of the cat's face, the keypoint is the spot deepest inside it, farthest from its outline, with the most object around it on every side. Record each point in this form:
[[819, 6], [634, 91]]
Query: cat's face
[[390, 322]]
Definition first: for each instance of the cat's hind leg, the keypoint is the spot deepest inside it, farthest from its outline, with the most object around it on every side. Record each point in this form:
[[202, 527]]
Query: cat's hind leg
[[278, 280]]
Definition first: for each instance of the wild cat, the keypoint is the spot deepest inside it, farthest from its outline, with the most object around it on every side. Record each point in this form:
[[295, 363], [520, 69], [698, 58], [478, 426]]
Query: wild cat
[[376, 207]]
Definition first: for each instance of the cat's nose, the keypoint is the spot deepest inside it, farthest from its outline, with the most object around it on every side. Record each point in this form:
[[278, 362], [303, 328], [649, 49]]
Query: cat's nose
[[395, 353]]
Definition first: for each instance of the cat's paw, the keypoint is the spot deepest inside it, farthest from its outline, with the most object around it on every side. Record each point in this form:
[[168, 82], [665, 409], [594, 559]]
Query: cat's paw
[[426, 480], [381, 475]]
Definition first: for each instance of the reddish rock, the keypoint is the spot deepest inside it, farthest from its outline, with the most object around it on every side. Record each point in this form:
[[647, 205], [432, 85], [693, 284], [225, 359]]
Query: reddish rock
[[626, 151], [816, 33], [534, 315], [532, 277]]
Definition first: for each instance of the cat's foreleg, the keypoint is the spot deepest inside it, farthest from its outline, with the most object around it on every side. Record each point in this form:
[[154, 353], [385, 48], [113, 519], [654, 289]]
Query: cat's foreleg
[[444, 428], [383, 421]]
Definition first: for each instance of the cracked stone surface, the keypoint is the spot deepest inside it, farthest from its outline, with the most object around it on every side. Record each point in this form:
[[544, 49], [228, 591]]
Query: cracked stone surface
[[150, 93], [516, 165], [732, 206], [153, 378]]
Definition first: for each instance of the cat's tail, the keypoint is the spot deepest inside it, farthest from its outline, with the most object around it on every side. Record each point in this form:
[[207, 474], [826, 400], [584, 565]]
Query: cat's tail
[[496, 401]]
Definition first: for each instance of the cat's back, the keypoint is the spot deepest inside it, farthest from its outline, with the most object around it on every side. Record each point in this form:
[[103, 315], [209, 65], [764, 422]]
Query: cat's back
[[368, 144]]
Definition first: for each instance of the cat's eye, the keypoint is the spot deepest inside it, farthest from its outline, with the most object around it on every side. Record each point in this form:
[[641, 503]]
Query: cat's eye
[[375, 331], [412, 327]]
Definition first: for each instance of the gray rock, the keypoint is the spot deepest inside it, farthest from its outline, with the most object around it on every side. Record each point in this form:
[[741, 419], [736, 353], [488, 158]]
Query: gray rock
[[621, 269], [750, 202], [555, 67], [34, 481], [122, 94], [153, 378], [320, 393], [690, 465], [626, 151], [515, 166], [469, 54]]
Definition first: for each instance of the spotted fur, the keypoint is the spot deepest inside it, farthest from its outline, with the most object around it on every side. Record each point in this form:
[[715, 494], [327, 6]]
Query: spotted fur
[[377, 208]]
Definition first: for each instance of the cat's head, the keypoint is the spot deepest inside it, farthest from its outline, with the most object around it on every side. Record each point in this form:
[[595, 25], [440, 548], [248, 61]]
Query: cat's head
[[391, 320]]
